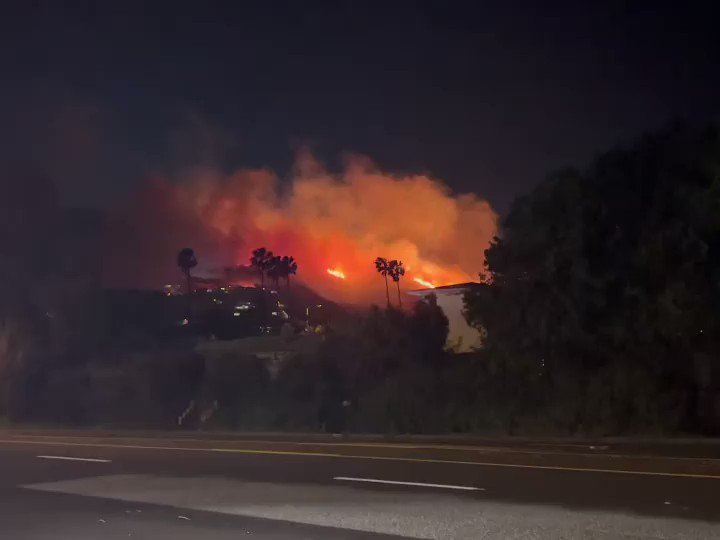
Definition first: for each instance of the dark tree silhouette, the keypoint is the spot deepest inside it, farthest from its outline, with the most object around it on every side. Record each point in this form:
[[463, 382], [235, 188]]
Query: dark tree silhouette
[[383, 267], [186, 260], [610, 276], [397, 271], [289, 267], [274, 269], [262, 259]]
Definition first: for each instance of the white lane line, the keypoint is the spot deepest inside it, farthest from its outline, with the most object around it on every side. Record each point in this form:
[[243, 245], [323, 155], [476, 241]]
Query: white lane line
[[418, 446], [373, 458], [398, 483], [67, 458]]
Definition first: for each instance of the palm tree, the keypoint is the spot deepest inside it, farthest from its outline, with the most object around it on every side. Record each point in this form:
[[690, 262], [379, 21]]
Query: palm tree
[[383, 267], [261, 259], [397, 270], [275, 269], [186, 260], [289, 266]]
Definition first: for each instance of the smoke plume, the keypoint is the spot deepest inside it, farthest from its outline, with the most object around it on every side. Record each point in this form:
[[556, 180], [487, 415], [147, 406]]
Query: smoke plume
[[338, 222]]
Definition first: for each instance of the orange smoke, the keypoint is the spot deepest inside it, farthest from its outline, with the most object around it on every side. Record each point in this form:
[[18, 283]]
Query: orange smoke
[[326, 221]]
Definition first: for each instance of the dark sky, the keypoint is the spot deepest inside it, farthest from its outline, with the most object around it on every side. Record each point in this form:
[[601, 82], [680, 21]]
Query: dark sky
[[489, 97]]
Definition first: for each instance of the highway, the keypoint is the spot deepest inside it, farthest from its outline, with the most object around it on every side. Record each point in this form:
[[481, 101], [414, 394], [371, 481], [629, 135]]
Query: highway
[[87, 485]]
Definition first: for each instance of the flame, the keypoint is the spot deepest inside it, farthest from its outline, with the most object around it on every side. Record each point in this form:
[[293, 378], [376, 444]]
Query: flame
[[317, 216], [337, 273], [423, 282]]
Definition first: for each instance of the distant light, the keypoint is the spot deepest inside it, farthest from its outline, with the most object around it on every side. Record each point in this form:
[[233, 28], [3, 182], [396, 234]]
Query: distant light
[[184, 322], [236, 314], [274, 313], [319, 305], [424, 283]]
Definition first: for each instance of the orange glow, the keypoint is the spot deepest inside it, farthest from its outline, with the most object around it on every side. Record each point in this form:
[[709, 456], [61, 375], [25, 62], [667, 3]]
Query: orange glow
[[319, 217], [337, 273], [424, 283]]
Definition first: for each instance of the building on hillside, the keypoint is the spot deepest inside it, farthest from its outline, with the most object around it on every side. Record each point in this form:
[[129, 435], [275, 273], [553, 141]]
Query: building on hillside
[[461, 336]]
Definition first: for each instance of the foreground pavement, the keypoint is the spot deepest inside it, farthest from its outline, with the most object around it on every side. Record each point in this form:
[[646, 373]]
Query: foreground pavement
[[88, 485]]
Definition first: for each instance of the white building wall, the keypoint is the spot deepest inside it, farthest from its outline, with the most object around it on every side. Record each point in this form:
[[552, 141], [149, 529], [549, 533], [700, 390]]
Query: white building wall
[[461, 336]]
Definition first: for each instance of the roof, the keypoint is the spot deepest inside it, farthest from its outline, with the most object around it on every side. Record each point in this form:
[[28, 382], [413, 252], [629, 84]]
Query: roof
[[459, 287]]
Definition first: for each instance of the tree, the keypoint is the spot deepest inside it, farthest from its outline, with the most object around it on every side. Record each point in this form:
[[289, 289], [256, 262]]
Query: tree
[[274, 269], [261, 259], [603, 287], [429, 327], [383, 267], [289, 266], [397, 271], [186, 260]]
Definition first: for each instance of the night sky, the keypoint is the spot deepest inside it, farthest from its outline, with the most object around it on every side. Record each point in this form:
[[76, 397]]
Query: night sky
[[489, 98]]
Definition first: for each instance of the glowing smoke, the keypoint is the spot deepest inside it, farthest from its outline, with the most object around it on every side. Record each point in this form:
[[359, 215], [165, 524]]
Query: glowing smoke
[[327, 221]]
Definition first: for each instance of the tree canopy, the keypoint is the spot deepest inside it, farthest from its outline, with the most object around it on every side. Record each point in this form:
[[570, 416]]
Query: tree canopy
[[610, 277]]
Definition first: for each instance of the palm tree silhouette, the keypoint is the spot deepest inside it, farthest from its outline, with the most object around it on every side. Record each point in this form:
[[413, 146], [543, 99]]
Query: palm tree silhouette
[[186, 260], [383, 267], [261, 259], [274, 268], [289, 266], [397, 271]]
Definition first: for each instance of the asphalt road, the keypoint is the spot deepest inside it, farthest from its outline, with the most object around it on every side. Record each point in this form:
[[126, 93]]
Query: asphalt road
[[58, 485]]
